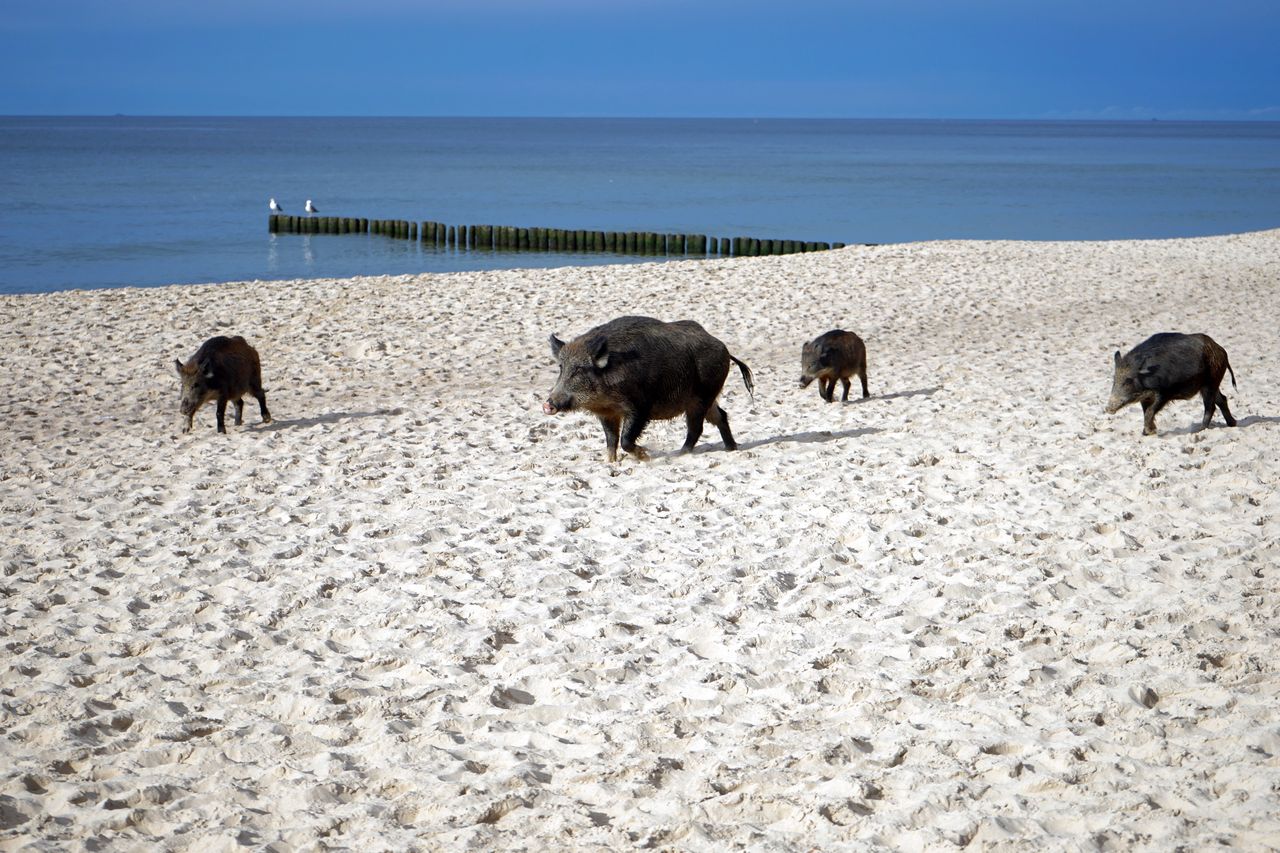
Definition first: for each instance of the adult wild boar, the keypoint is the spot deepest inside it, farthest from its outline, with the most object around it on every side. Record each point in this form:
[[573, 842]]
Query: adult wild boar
[[834, 355], [226, 369], [632, 370], [1171, 366]]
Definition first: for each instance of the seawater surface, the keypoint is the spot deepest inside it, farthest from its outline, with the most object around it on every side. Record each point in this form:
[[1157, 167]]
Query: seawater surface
[[120, 201]]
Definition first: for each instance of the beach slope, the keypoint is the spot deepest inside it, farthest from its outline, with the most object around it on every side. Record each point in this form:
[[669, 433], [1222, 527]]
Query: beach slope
[[414, 612]]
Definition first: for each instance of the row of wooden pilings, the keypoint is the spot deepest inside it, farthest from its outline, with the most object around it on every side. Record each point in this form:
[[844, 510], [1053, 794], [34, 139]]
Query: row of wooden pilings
[[506, 238]]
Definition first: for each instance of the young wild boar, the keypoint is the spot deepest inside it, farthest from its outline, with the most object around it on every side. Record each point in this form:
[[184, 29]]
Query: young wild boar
[[225, 368], [632, 370], [835, 355], [1171, 366]]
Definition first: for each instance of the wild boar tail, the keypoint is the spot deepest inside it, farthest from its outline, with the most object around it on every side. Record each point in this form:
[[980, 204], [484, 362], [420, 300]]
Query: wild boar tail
[[749, 381], [1233, 374]]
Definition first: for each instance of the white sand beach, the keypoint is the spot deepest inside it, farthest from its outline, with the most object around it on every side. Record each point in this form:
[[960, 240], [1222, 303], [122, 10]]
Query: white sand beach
[[415, 613]]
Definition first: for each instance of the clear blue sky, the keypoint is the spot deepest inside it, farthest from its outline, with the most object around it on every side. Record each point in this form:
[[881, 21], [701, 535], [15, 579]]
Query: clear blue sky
[[1128, 59]]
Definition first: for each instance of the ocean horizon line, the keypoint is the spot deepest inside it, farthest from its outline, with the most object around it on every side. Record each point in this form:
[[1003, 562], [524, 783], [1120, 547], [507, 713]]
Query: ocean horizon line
[[671, 118]]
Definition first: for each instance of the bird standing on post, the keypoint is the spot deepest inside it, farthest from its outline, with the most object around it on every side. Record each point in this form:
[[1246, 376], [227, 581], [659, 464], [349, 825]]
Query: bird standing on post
[[311, 208], [275, 208]]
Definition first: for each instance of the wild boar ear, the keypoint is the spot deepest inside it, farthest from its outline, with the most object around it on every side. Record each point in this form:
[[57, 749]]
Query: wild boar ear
[[600, 353], [205, 370], [1148, 369], [178, 365], [1117, 358], [556, 345]]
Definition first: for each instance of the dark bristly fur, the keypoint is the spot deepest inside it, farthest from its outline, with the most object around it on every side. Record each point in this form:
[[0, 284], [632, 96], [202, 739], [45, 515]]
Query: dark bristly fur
[[632, 370], [830, 356], [1171, 366], [222, 369]]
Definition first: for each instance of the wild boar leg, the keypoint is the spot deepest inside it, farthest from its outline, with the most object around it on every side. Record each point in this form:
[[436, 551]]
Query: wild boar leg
[[632, 425], [1209, 397], [262, 402], [222, 413], [863, 376], [827, 388], [1226, 413], [844, 398], [1150, 407], [611, 427], [693, 422], [239, 412], [720, 418]]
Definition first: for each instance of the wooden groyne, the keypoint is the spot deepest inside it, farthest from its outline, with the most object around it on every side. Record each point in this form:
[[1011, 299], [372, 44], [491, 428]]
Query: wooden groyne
[[506, 238]]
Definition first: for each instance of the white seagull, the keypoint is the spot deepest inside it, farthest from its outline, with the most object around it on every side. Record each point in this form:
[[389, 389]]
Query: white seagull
[[311, 208], [275, 208]]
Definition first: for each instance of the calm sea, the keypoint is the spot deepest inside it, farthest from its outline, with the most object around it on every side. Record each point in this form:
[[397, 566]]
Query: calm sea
[[107, 202]]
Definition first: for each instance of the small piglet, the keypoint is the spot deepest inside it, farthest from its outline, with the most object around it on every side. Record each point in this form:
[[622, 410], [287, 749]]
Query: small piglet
[[835, 355], [1171, 366], [226, 369]]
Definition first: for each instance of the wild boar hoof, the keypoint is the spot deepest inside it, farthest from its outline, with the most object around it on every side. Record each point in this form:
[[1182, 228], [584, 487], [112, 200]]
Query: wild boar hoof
[[639, 453]]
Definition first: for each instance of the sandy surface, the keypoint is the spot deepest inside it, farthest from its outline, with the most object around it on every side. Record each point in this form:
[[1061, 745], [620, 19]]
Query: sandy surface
[[414, 612]]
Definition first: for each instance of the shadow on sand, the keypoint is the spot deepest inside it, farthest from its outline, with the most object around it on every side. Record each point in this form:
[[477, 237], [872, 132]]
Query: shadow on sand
[[918, 392], [331, 418], [1251, 420], [814, 437], [1256, 419]]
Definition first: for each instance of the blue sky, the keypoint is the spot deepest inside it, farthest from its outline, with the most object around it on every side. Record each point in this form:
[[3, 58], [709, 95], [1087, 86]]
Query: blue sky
[[1125, 59]]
